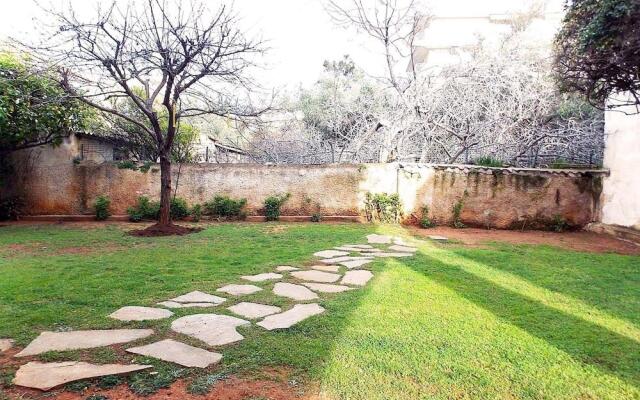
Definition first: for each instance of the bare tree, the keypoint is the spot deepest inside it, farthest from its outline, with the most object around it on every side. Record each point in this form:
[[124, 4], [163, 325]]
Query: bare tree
[[189, 61]]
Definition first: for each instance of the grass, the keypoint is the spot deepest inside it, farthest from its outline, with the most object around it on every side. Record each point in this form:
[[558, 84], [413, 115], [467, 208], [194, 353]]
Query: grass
[[503, 322]]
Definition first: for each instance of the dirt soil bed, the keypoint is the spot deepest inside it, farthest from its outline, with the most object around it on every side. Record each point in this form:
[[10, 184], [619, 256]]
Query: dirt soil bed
[[579, 241]]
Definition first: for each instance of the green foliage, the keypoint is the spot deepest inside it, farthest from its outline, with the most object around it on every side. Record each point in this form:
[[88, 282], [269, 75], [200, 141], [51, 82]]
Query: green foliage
[[145, 383], [559, 164], [383, 207], [488, 162], [559, 224], [316, 217], [146, 166], [11, 208], [203, 384], [127, 164], [97, 397], [144, 209], [78, 386], [196, 212], [224, 206], [425, 221], [33, 108], [457, 211], [101, 207], [179, 208], [110, 381], [273, 204]]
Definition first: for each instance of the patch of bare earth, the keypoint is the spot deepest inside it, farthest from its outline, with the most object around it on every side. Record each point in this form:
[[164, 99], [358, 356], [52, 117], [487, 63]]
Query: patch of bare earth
[[578, 241]]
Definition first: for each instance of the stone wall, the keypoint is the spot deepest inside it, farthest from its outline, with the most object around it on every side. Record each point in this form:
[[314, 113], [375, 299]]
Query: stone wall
[[502, 198]]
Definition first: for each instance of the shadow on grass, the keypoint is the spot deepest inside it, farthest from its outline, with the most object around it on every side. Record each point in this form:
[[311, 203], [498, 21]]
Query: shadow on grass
[[587, 342]]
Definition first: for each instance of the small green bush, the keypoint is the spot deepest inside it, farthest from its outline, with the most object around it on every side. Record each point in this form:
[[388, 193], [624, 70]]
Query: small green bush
[[488, 162], [272, 205], [224, 206], [559, 224], [144, 209], [382, 207], [101, 207], [196, 212], [127, 164], [146, 166], [316, 217], [179, 208], [425, 221]]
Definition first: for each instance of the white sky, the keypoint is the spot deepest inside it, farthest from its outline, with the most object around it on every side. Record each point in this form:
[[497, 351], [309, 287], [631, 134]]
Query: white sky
[[300, 34]]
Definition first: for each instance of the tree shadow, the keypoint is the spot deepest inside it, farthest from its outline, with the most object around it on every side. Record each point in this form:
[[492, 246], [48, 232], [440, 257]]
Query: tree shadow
[[586, 342]]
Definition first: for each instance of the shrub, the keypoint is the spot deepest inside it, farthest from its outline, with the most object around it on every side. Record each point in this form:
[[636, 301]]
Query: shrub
[[559, 224], [316, 217], [11, 208], [224, 206], [383, 207], [425, 221], [272, 205], [196, 212], [144, 209], [488, 162], [102, 208], [179, 208], [146, 166], [457, 211], [127, 164]]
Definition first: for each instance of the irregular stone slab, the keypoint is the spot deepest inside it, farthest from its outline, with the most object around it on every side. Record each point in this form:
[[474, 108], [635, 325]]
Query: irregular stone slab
[[359, 246], [357, 277], [173, 304], [338, 260], [239, 290], [287, 319], [5, 344], [438, 238], [133, 313], [76, 340], [405, 249], [378, 239], [316, 276], [365, 252], [358, 250], [286, 268], [326, 268], [45, 376], [213, 329], [254, 310], [399, 241], [327, 288], [330, 253], [178, 353], [295, 292], [198, 297], [355, 263], [396, 254], [268, 276]]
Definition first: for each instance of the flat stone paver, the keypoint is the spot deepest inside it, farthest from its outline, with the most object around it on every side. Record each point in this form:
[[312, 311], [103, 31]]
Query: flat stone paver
[[179, 353], [327, 288], [134, 313], [267, 276], [213, 329], [316, 276], [253, 310], [378, 239], [286, 268], [46, 376], [399, 241], [173, 304], [338, 260], [292, 291], [326, 268], [355, 263], [330, 253], [198, 297], [438, 238], [394, 254], [406, 249], [239, 290], [5, 344], [359, 246], [76, 340], [357, 277], [287, 319]]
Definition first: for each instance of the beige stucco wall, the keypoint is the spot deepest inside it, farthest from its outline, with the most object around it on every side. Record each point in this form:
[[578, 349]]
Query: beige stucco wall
[[621, 190]]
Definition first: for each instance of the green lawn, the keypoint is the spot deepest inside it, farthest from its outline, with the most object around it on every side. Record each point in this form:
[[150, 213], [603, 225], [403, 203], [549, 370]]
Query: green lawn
[[502, 322]]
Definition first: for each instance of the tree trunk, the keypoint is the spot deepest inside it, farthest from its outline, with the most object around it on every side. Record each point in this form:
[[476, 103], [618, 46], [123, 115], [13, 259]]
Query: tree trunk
[[165, 190]]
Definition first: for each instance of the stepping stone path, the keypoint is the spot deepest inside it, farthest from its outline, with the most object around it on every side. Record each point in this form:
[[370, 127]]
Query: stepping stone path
[[198, 297], [295, 292], [178, 353], [287, 319], [316, 276], [326, 288], [133, 313], [239, 290], [254, 310], [286, 268], [357, 278], [213, 329], [326, 268], [47, 376], [262, 277], [5, 344], [407, 249], [76, 340], [331, 253], [173, 304]]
